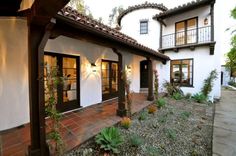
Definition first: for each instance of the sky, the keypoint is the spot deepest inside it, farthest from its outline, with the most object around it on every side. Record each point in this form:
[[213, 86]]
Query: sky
[[102, 8]]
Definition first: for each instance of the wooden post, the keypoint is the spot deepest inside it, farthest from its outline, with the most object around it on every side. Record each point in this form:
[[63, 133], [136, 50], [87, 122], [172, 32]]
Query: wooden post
[[38, 36], [121, 111], [150, 80]]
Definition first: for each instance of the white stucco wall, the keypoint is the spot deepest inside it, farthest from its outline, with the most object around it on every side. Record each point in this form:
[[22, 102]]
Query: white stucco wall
[[203, 64], [14, 97], [90, 83], [201, 13], [130, 25]]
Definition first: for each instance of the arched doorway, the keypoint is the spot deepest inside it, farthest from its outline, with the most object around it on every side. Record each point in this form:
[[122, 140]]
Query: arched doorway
[[144, 74]]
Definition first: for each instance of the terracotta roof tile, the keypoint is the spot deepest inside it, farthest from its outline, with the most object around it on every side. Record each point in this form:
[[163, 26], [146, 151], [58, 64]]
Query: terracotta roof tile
[[182, 8], [141, 6], [85, 20]]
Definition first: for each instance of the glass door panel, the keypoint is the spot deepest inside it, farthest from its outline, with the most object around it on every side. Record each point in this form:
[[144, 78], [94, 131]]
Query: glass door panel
[[180, 33], [109, 79], [70, 79], [49, 67], [114, 77], [192, 31], [105, 78]]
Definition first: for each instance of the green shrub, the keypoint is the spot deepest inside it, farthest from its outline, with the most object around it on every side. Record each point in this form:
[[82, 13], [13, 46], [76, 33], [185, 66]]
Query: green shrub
[[199, 97], [172, 88], [177, 96], [152, 151], [160, 102], [232, 83], [208, 83], [136, 140], [143, 116], [163, 119], [109, 139], [188, 96], [171, 133], [185, 115]]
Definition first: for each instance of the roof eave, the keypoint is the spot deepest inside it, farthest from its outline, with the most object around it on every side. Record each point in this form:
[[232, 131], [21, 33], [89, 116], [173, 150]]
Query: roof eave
[[157, 56], [183, 9]]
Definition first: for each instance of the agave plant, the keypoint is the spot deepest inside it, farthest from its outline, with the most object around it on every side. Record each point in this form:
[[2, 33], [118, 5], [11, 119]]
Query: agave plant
[[109, 139]]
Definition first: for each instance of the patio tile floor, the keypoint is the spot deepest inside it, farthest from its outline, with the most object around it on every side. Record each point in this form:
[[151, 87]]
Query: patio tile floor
[[76, 127]]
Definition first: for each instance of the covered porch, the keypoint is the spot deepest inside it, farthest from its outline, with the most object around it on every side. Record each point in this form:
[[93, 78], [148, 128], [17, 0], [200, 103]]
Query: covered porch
[[76, 126]]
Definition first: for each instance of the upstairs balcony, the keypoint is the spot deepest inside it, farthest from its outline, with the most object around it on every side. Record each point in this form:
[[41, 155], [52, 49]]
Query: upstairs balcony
[[190, 38]]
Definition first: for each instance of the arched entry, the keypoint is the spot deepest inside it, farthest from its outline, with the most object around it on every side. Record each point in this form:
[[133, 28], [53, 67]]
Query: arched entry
[[144, 74]]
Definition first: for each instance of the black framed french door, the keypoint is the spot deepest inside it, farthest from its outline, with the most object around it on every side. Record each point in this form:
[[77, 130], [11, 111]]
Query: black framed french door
[[144, 74], [109, 79], [68, 92]]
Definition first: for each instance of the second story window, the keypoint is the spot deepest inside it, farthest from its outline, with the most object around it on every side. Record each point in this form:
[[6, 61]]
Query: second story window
[[186, 31], [144, 27]]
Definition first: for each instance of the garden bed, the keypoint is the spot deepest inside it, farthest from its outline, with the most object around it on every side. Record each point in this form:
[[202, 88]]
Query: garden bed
[[181, 127]]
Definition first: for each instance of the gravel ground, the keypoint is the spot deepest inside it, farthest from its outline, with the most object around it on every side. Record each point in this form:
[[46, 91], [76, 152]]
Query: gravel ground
[[181, 128]]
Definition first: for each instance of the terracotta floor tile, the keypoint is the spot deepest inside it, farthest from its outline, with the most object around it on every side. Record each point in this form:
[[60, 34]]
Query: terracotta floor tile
[[76, 127]]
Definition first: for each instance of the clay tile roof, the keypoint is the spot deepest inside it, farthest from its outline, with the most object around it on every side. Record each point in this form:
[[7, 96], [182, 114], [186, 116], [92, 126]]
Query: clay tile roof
[[68, 12], [141, 6], [183, 8]]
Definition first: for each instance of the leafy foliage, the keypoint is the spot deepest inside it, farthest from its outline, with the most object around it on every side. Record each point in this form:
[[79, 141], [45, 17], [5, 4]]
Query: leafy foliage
[[127, 82], [172, 88], [208, 83], [114, 15], [160, 102], [232, 83], [185, 115], [231, 61], [152, 151], [163, 118], [152, 109], [126, 122], [199, 97], [136, 140], [171, 133], [109, 139], [233, 13], [177, 96], [143, 116], [54, 138], [156, 84]]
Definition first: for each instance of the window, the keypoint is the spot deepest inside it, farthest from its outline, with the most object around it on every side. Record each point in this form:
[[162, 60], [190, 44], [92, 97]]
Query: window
[[182, 72], [186, 31], [144, 27]]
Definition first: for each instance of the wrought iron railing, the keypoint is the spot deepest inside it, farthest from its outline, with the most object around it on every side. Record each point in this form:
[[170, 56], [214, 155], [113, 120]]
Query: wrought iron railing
[[191, 36]]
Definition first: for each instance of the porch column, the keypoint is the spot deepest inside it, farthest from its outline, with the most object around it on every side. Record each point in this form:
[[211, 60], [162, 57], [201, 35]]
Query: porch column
[[38, 36], [121, 111], [150, 80]]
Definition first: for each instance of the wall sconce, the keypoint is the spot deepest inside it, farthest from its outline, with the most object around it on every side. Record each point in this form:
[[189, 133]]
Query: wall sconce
[[128, 68], [206, 21], [93, 67]]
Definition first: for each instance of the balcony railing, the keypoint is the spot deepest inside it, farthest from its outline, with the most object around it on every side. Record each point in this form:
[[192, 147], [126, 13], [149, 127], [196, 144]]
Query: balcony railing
[[191, 36]]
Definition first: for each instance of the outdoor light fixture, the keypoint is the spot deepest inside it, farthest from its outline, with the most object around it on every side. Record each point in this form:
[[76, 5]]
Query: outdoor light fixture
[[93, 67], [206, 21], [128, 69]]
